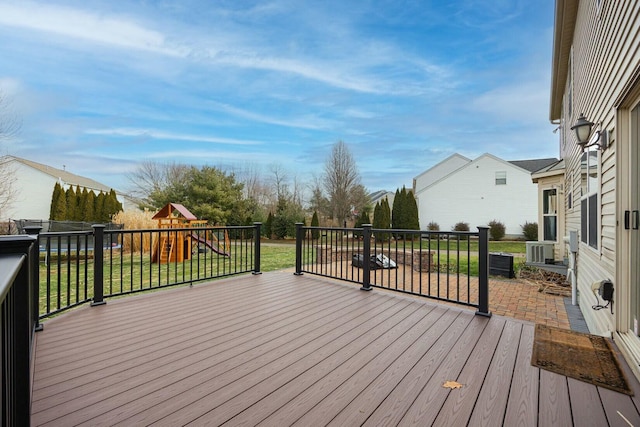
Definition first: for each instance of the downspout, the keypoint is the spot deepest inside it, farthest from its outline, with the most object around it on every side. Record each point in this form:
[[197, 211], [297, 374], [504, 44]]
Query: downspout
[[572, 240]]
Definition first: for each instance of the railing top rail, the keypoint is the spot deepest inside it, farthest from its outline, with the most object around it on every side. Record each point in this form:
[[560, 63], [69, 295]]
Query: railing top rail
[[173, 229], [67, 233], [10, 265], [395, 230]]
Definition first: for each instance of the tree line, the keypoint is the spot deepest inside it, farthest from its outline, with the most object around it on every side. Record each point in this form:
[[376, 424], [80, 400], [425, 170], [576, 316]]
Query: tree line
[[83, 205], [245, 195]]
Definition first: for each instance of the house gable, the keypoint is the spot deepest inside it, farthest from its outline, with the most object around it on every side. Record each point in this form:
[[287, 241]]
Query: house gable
[[474, 193], [34, 188], [439, 171]]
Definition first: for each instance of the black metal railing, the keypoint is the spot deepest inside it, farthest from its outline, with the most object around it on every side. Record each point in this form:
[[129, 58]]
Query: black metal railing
[[18, 322], [447, 266], [89, 266]]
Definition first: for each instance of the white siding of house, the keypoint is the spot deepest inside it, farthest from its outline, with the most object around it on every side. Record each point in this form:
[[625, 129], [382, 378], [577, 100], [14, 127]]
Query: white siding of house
[[389, 195], [34, 190], [471, 195], [439, 171], [33, 193]]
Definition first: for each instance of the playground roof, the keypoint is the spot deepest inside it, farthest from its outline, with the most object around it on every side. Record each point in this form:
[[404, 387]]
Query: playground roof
[[170, 207]]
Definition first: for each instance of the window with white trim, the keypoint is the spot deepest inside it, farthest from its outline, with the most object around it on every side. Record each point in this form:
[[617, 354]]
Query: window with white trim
[[501, 177], [589, 200], [550, 214]]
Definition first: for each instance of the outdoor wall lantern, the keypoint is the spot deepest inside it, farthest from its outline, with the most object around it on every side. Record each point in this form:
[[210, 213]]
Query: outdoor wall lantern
[[585, 138]]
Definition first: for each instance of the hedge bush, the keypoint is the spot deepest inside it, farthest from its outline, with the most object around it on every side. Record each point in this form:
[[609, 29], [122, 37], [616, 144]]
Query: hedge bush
[[530, 231], [461, 226], [496, 230]]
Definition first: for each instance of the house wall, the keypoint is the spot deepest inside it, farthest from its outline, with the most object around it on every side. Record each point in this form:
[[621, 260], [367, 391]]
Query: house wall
[[389, 195], [471, 195], [33, 191], [606, 45], [438, 172]]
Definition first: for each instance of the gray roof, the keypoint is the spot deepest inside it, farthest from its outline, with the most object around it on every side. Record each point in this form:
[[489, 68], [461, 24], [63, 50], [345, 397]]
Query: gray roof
[[64, 176], [377, 194], [534, 165]]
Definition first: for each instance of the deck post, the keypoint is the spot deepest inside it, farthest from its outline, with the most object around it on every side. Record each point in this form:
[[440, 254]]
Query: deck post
[[299, 236], [16, 329], [98, 268], [34, 231], [366, 257], [483, 272], [256, 250]]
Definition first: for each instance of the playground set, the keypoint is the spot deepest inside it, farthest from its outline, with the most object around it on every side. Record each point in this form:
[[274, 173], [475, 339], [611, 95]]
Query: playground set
[[177, 246]]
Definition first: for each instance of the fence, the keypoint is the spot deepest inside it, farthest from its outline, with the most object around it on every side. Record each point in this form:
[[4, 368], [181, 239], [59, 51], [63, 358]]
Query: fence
[[447, 266], [18, 320], [89, 266], [20, 225]]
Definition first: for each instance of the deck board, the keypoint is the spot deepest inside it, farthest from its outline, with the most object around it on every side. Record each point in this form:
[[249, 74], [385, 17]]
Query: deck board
[[522, 406], [554, 403], [278, 349], [491, 404], [583, 410]]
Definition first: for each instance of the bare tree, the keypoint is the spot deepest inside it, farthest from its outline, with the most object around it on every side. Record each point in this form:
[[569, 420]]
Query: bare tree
[[151, 177], [279, 180], [341, 179], [7, 186], [9, 127], [9, 122], [318, 202]]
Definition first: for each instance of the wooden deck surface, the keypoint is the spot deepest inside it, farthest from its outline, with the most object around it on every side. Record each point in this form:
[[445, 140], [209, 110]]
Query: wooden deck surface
[[278, 349]]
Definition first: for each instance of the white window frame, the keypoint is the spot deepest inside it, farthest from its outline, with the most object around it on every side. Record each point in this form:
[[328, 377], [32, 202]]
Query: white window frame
[[550, 210], [501, 178], [590, 199]]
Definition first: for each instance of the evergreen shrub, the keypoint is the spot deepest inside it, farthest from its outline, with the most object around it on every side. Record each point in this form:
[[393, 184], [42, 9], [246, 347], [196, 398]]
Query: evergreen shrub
[[496, 230]]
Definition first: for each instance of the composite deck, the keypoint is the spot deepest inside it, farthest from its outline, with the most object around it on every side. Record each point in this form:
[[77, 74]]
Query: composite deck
[[278, 349]]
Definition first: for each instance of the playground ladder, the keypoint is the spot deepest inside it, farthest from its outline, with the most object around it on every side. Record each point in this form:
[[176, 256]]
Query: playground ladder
[[166, 249]]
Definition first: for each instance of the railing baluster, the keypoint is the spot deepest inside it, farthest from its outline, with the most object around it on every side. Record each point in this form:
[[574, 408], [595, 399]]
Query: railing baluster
[[299, 236], [98, 265], [256, 248], [366, 257]]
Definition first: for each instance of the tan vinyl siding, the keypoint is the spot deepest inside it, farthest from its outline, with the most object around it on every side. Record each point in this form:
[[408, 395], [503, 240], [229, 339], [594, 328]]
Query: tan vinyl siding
[[605, 52]]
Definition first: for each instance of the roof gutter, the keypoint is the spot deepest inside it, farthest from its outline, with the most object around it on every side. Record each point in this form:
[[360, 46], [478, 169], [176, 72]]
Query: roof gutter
[[564, 27]]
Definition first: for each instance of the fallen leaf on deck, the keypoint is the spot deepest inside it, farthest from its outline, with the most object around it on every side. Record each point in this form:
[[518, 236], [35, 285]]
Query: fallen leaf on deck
[[452, 385]]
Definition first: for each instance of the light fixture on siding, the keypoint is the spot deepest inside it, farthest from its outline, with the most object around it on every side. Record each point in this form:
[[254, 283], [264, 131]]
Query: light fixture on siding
[[585, 138]]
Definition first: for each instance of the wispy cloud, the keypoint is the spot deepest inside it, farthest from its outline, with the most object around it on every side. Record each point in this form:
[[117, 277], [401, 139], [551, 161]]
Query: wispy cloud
[[87, 26], [346, 68], [307, 122], [169, 136], [404, 84]]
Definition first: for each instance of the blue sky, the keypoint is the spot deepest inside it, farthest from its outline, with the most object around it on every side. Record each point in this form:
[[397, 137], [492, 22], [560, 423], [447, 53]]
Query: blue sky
[[101, 85]]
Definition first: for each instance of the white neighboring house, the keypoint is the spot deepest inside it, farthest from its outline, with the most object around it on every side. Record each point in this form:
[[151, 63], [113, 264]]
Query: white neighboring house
[[478, 191], [380, 195], [33, 188]]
